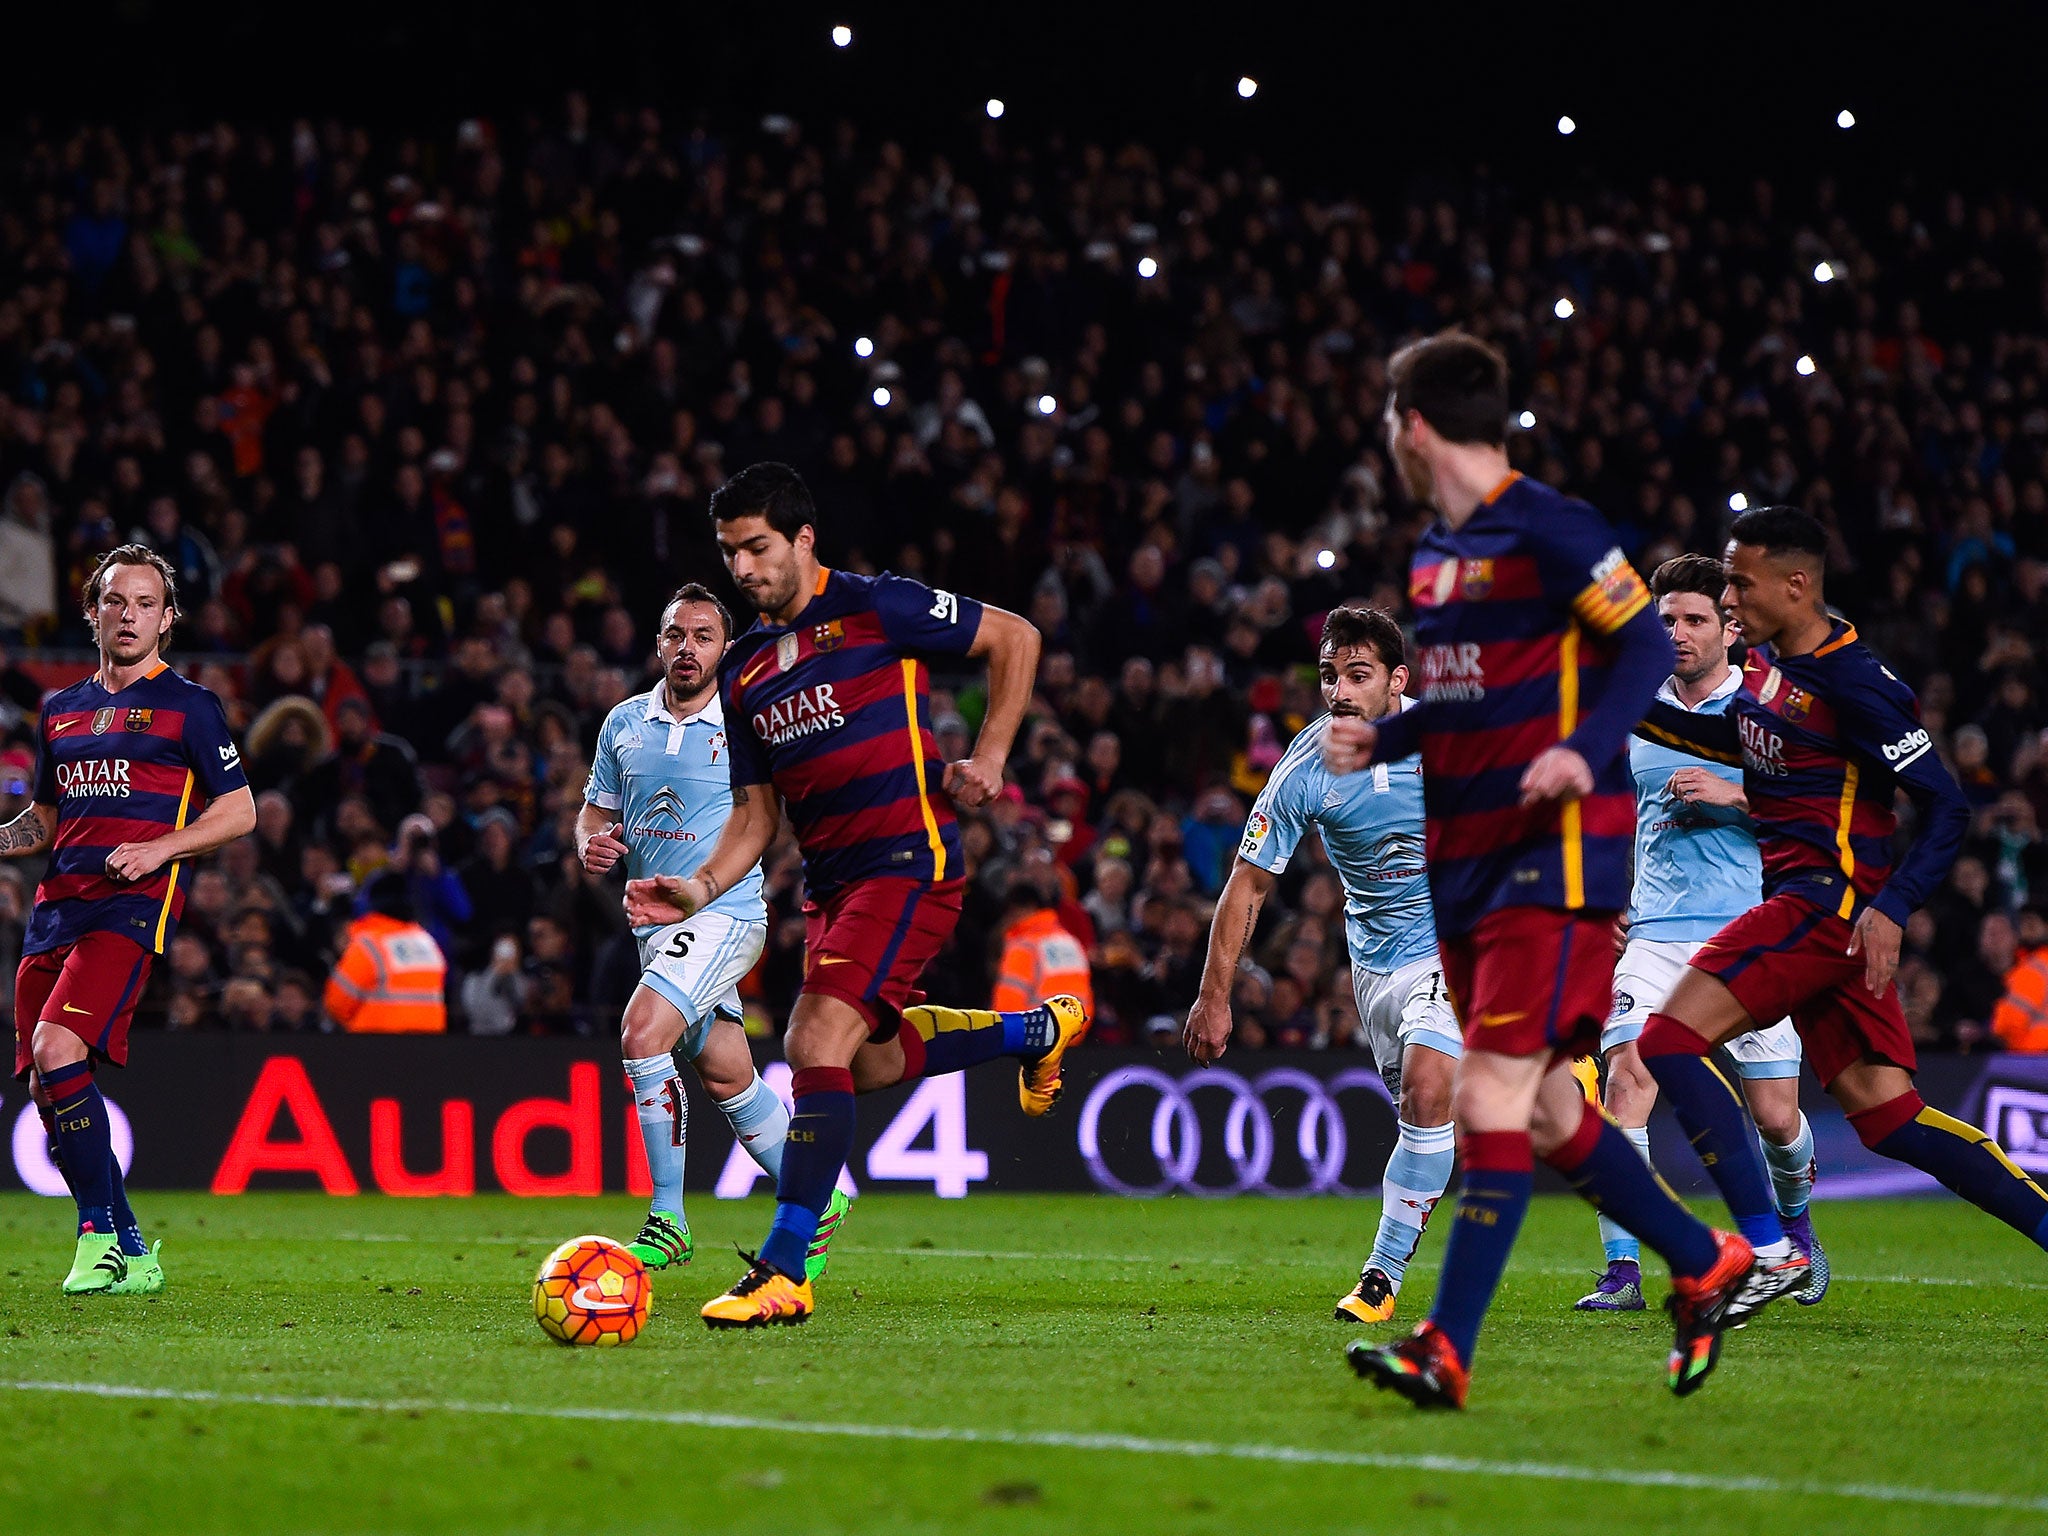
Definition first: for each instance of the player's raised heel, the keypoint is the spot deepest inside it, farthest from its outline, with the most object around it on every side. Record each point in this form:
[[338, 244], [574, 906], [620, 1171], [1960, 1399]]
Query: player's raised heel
[[664, 1242], [1699, 1312], [1371, 1300], [1424, 1367], [819, 1256], [765, 1297], [145, 1275], [1038, 1084], [97, 1266]]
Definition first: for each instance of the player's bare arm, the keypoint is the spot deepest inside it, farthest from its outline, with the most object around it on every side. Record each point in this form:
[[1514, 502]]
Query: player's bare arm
[[756, 818], [233, 815], [598, 844], [30, 832], [1207, 1033], [1010, 646]]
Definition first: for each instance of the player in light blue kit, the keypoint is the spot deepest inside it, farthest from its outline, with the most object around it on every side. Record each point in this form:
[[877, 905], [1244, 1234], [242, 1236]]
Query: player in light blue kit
[[660, 789], [1696, 868], [1371, 825]]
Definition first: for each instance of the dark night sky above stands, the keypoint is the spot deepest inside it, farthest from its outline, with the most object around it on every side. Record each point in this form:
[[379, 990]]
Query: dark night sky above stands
[[1744, 87]]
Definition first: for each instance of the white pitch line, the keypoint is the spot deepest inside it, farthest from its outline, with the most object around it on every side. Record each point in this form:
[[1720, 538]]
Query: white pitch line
[[1134, 1445]]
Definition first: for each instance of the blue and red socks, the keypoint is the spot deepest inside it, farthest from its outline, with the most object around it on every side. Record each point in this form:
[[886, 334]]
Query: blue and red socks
[[1499, 1173], [1610, 1174], [819, 1141], [85, 1142], [1960, 1156], [954, 1039], [1717, 1123]]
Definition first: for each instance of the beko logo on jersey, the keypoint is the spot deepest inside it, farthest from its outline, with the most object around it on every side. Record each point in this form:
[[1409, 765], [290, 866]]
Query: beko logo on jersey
[[1453, 672], [102, 778], [1762, 751], [804, 714], [1906, 748]]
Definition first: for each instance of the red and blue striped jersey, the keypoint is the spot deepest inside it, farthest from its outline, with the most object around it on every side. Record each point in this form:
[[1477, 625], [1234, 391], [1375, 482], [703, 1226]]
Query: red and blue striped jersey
[[1826, 741], [834, 710], [124, 767], [1532, 630]]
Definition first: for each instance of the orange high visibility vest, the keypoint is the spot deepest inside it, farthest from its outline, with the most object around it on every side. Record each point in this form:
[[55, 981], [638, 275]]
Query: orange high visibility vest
[[392, 979], [2021, 1017], [1040, 960]]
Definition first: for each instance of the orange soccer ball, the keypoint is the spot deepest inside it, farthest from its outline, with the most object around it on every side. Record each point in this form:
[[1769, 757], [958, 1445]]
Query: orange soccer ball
[[592, 1291]]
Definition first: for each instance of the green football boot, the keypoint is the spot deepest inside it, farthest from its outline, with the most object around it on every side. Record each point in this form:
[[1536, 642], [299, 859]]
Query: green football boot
[[145, 1275], [98, 1265], [664, 1242], [820, 1253]]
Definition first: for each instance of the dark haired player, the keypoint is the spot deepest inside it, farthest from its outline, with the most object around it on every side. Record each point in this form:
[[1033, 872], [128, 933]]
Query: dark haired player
[[1696, 869], [660, 789], [828, 714], [1538, 653], [1826, 737], [137, 772], [1372, 828]]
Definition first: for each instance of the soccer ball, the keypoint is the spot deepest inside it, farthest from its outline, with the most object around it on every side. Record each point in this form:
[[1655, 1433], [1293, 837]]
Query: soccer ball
[[591, 1291]]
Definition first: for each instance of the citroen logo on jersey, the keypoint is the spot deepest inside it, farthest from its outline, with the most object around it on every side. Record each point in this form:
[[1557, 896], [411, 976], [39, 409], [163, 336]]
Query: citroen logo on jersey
[[663, 818]]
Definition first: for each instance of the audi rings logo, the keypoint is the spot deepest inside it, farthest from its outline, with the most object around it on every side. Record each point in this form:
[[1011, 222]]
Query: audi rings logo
[[1252, 1109]]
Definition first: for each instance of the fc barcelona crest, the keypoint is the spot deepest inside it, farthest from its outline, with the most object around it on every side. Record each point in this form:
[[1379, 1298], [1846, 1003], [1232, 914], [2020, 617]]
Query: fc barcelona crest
[[828, 637], [1478, 580], [138, 719], [1797, 703], [102, 720]]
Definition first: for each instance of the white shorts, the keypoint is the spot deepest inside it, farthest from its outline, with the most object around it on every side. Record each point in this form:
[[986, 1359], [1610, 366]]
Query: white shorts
[[697, 965], [1407, 1007], [1643, 978]]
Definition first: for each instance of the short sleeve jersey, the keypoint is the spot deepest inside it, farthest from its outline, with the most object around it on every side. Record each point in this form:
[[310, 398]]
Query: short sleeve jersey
[[834, 710], [1514, 614], [1372, 828], [1697, 866], [670, 783], [125, 767]]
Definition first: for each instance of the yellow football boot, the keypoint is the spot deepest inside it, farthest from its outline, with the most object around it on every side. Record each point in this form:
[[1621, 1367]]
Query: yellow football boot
[[1370, 1301], [764, 1296], [1038, 1083]]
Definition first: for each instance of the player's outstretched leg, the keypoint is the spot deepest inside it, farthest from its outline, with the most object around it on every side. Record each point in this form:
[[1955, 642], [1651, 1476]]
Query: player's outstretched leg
[[1907, 1128], [1717, 1123], [938, 1039], [1707, 1267]]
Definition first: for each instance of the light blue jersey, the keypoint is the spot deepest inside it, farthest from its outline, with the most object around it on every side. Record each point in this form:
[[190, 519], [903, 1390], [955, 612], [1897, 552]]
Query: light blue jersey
[[670, 782], [1371, 823], [1697, 866]]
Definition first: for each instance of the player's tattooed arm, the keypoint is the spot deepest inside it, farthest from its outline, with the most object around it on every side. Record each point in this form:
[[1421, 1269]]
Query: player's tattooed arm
[[755, 819], [28, 833], [1207, 1034]]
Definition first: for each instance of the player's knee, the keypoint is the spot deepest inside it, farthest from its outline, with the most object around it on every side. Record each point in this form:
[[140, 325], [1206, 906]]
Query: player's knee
[[1426, 1093], [1631, 1091], [823, 1036], [56, 1048], [1778, 1123]]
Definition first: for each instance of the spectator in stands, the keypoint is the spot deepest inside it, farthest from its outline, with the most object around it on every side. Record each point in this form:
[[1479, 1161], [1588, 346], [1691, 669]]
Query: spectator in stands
[[392, 977], [1041, 958]]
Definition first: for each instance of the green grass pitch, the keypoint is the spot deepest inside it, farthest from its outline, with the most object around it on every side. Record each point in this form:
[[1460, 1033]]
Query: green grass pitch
[[1019, 1363]]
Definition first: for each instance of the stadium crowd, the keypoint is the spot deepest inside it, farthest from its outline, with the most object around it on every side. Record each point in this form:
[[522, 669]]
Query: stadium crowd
[[427, 426]]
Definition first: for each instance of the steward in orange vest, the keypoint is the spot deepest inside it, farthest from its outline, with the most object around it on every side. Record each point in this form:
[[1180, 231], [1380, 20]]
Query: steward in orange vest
[[1040, 958], [2021, 1017], [392, 977]]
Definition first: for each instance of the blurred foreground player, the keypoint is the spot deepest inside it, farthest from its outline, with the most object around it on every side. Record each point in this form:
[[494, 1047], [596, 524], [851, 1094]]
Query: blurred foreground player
[[1826, 737], [1538, 652], [1696, 869], [1371, 826], [137, 772], [827, 711], [660, 789]]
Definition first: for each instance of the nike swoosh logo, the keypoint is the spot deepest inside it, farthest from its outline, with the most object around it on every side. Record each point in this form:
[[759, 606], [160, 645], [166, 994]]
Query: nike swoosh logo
[[69, 1009], [765, 661], [595, 1301], [61, 725], [825, 960], [1488, 1019]]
